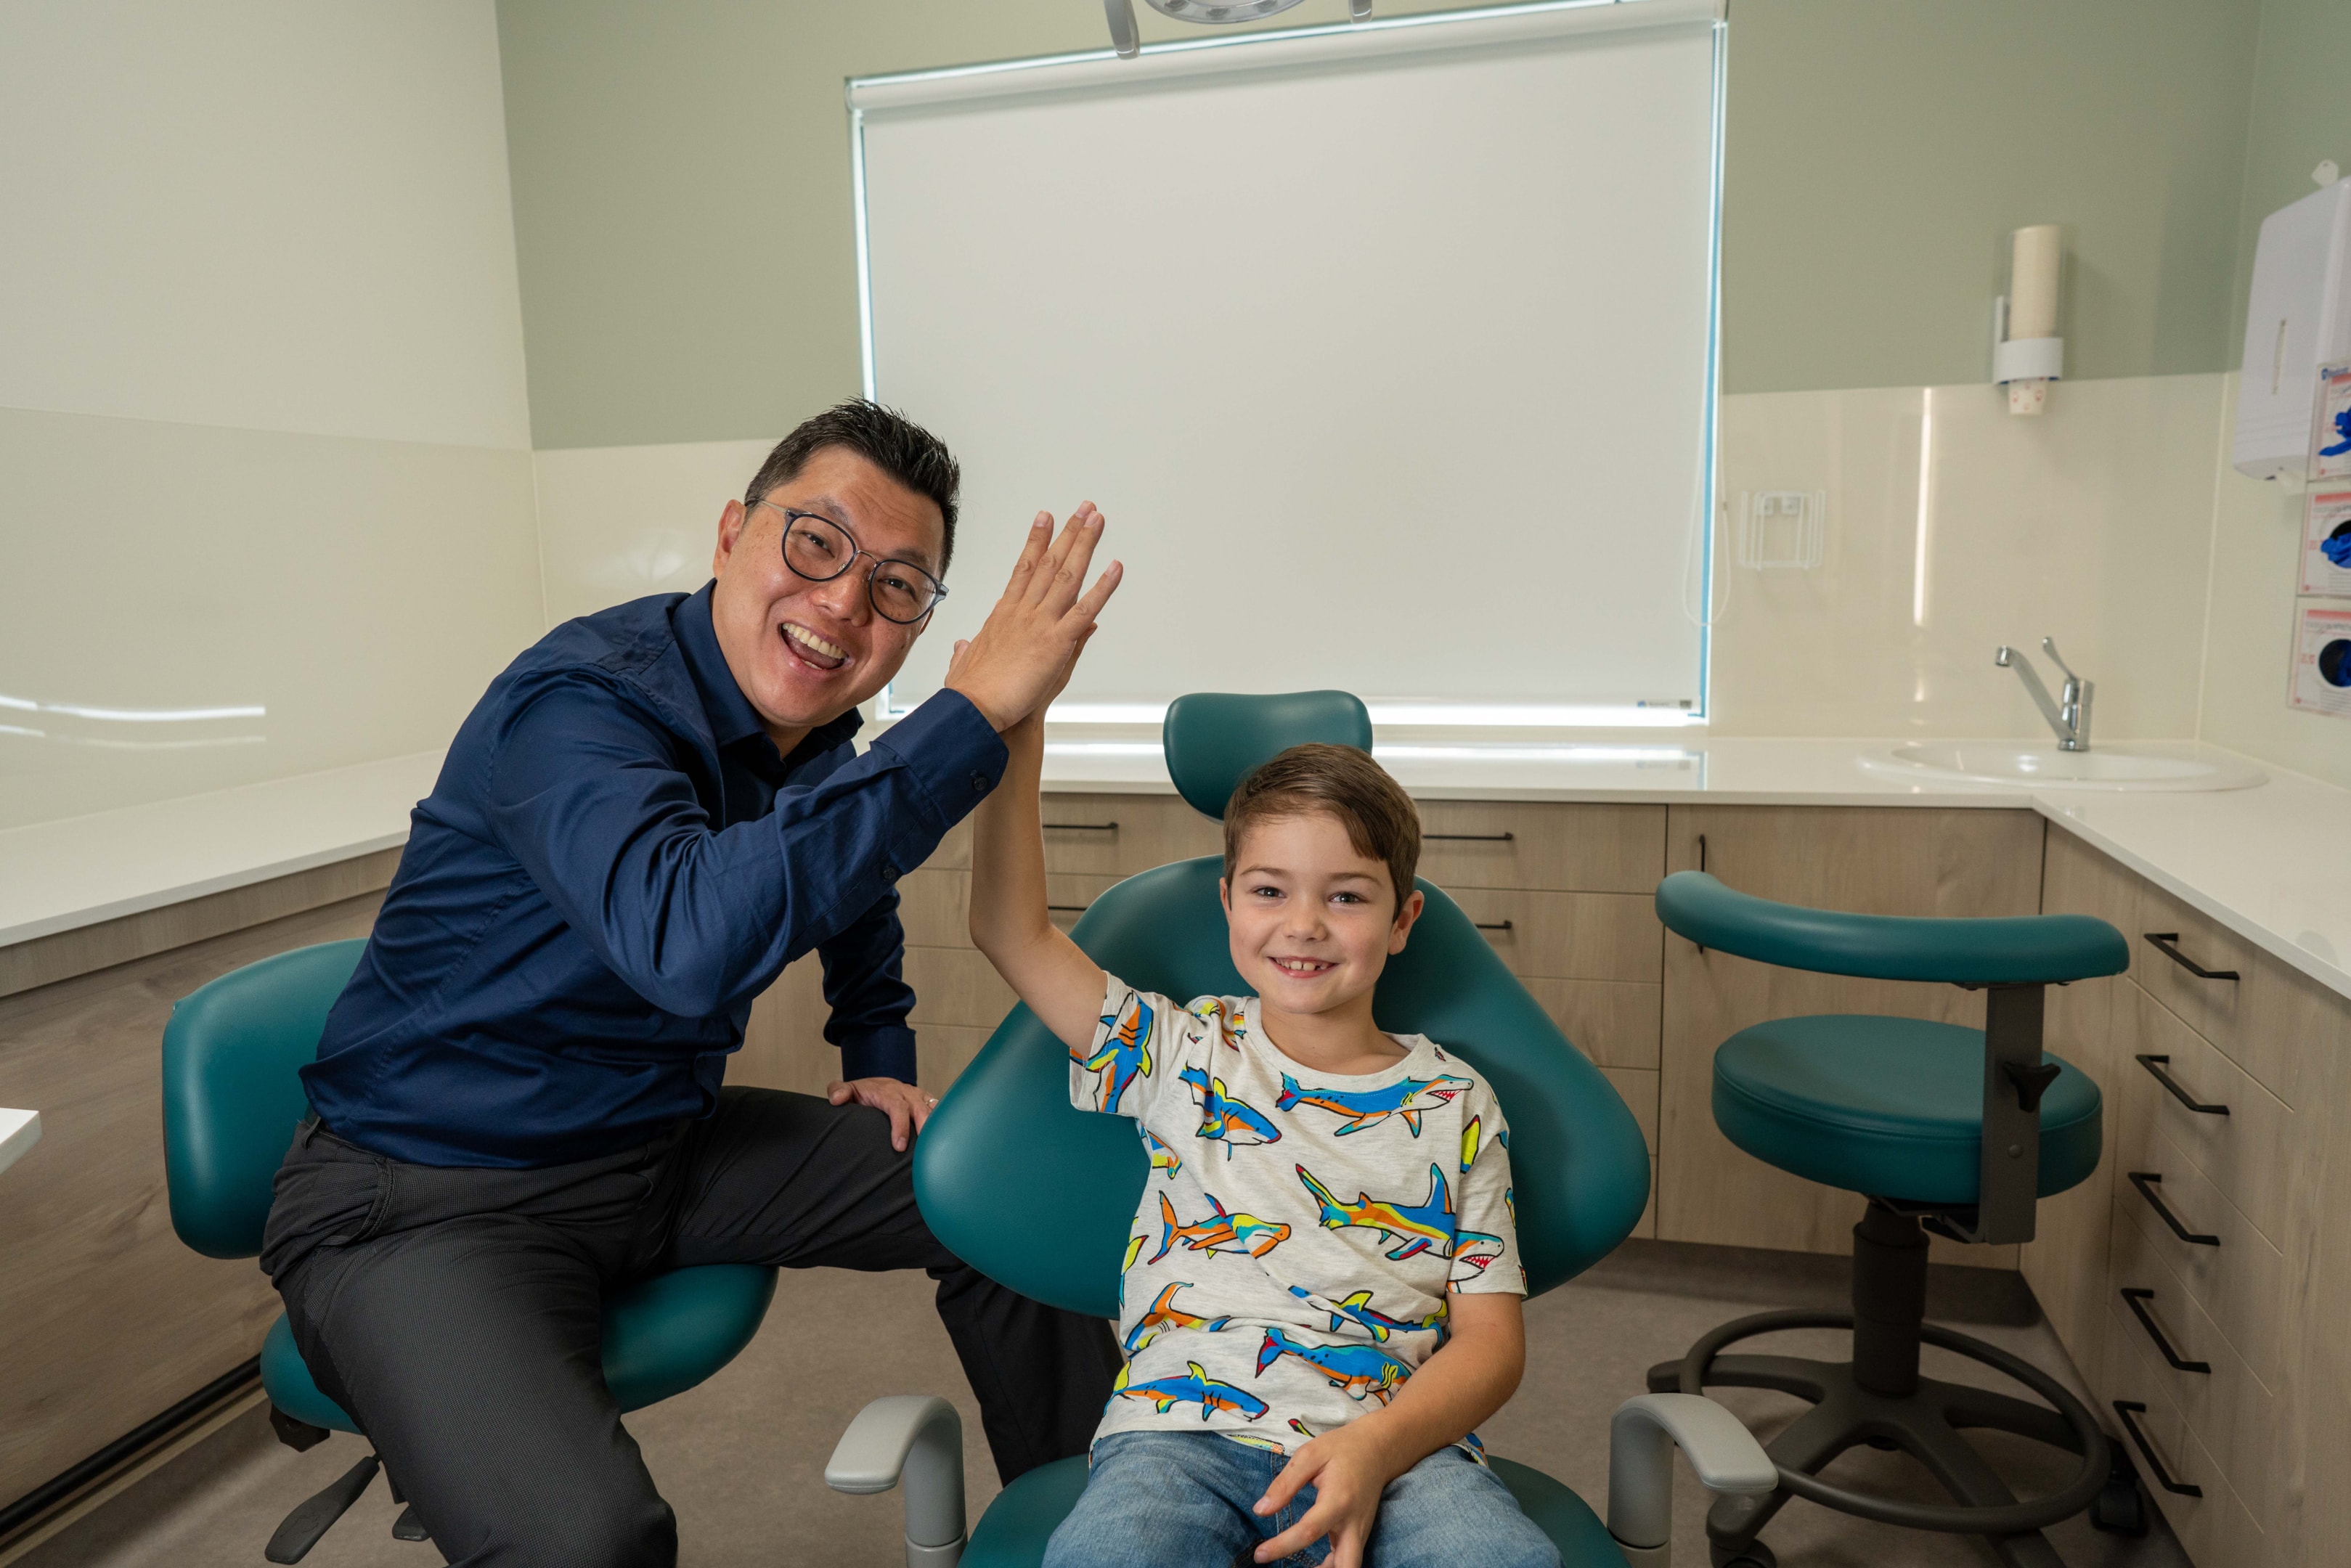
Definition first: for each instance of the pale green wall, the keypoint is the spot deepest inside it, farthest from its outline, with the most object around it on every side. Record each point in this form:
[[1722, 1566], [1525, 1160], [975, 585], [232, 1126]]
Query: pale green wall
[[682, 210], [2301, 114]]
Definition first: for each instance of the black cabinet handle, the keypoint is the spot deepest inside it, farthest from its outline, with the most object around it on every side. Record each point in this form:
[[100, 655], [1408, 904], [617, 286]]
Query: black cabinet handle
[[2133, 1297], [2124, 1407], [1083, 827], [1491, 924], [2146, 1181], [1068, 908], [2154, 1064], [2168, 944], [1473, 838]]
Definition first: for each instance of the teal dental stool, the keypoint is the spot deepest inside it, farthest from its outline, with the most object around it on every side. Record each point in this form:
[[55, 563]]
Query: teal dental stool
[[231, 1100], [1040, 1196], [1957, 1131]]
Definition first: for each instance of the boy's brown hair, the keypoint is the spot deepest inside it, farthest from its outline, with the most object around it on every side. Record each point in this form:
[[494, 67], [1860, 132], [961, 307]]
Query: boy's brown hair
[[1381, 821]]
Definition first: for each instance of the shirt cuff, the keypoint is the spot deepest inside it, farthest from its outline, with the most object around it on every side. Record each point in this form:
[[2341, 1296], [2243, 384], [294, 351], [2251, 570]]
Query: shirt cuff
[[952, 751], [883, 1053]]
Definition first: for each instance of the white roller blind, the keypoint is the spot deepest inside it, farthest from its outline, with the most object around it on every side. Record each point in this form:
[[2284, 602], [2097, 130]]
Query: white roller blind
[[1388, 353]]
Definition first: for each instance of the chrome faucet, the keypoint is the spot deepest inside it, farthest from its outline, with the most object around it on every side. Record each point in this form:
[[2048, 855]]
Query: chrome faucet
[[2069, 715]]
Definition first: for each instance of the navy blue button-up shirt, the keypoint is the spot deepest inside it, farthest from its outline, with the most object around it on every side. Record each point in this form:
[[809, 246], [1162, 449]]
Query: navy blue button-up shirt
[[612, 865]]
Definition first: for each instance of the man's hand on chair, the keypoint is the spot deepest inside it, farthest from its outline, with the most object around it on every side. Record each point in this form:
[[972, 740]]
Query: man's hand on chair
[[907, 1106], [1013, 664]]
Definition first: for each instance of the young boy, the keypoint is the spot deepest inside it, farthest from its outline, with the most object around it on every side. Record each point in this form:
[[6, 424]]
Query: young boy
[[1321, 1295]]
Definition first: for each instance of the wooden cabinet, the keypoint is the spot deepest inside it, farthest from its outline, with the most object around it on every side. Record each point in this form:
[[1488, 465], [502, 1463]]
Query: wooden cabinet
[[1885, 860], [2253, 1295]]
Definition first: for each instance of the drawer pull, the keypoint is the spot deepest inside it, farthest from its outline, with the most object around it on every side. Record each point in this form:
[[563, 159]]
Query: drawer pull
[[2133, 1295], [2168, 944], [2124, 1409], [2154, 1065], [1083, 827], [2146, 1181], [1068, 908], [1491, 924], [1473, 838]]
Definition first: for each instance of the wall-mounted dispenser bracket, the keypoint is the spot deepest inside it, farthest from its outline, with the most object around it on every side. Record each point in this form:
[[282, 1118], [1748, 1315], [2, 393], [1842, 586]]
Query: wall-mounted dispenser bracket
[[2023, 365]]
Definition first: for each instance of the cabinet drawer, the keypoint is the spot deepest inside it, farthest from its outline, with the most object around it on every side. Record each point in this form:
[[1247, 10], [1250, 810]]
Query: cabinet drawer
[[2241, 1282], [2214, 1008], [2216, 1529], [1558, 848], [2245, 1153], [2239, 1423], [1570, 936], [955, 986], [1118, 835], [1614, 1022], [934, 907]]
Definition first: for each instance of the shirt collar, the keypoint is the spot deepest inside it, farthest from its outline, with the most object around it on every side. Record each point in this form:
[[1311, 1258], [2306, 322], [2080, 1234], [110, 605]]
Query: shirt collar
[[733, 719]]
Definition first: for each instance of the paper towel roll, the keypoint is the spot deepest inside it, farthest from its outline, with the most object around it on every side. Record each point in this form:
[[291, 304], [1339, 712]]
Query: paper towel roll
[[2033, 282]]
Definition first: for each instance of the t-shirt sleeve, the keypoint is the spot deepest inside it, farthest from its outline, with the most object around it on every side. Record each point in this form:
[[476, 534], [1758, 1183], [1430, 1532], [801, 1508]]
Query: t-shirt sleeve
[[1486, 1233], [1133, 1052]]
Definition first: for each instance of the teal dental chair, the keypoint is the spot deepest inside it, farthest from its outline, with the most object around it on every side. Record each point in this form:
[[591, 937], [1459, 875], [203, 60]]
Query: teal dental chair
[[231, 1100], [1040, 1196], [1957, 1131]]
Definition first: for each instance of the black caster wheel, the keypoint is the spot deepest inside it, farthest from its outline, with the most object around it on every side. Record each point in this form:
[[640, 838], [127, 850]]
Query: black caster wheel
[[1754, 1554], [2120, 1507], [408, 1527]]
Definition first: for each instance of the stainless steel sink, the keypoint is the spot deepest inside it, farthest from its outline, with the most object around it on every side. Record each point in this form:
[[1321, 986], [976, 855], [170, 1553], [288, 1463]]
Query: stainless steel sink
[[2152, 765]]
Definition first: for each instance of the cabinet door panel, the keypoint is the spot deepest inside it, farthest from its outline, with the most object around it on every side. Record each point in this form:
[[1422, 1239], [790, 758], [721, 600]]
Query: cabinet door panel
[[1614, 1022], [1118, 835], [1570, 936], [1561, 848]]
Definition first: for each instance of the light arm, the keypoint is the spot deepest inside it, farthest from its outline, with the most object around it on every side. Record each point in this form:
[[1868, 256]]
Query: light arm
[[1641, 1444], [918, 1437]]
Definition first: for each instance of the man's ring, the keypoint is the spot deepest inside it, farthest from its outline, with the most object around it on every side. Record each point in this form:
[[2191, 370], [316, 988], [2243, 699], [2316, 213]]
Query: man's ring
[[931, 1100]]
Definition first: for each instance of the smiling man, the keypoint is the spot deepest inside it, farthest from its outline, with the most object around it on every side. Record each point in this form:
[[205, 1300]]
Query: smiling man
[[519, 1102]]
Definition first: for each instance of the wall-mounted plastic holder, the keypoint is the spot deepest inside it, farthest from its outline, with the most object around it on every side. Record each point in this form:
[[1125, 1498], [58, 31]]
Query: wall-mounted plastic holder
[[1782, 530]]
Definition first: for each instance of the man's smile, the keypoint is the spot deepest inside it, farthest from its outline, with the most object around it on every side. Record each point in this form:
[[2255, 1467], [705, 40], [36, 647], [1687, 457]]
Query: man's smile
[[816, 652]]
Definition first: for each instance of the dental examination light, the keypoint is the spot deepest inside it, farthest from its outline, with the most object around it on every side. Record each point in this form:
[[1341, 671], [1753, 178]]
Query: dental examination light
[[1130, 43]]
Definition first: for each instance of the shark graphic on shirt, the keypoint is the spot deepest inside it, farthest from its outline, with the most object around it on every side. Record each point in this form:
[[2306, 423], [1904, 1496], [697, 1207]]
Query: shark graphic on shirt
[[1163, 1156], [1124, 1053], [1410, 1098], [1196, 1387], [1357, 1309], [1361, 1371], [1469, 1145], [1225, 1119], [1164, 1314], [1415, 1227], [1220, 1232]]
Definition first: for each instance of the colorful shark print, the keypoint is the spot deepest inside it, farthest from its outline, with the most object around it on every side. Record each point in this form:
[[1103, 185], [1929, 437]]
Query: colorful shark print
[[1469, 1145], [1410, 1098], [1165, 1314], [1475, 1249], [1415, 1227], [1252, 1440], [1163, 1156], [1123, 1052], [1510, 1205], [1133, 1246], [1196, 1387], [1228, 1120], [1357, 1309], [1358, 1369], [1220, 1232], [1211, 1010], [1301, 1427]]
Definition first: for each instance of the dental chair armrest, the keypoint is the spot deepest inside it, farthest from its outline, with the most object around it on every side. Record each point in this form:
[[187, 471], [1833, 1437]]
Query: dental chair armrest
[[1641, 1444], [917, 1437]]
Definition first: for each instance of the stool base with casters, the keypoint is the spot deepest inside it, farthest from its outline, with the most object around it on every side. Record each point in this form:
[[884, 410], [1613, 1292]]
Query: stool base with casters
[[1880, 1398]]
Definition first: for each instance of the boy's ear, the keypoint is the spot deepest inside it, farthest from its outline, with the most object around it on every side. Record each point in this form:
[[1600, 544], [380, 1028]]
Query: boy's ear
[[1405, 916], [1225, 897]]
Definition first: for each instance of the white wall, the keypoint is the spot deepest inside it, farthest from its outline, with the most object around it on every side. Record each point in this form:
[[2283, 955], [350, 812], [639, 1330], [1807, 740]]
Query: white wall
[[264, 442]]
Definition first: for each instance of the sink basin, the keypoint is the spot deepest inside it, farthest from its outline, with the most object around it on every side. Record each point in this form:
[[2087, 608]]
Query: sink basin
[[2144, 766]]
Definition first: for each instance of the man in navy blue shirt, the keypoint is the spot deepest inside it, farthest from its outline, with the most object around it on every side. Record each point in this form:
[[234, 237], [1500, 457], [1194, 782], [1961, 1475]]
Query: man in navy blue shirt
[[519, 1102]]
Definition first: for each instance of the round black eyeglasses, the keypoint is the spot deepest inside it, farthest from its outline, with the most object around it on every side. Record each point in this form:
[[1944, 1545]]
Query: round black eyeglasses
[[818, 549]]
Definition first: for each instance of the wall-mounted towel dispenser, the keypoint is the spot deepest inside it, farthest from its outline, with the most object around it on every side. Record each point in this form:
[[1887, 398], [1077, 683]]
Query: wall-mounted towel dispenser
[[2298, 320]]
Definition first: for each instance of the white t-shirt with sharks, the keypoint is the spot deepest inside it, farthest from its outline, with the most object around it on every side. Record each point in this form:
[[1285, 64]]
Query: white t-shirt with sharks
[[1290, 1259]]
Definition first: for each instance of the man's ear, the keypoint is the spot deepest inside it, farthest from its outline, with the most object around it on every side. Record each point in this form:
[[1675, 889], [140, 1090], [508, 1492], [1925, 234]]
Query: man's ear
[[730, 529], [1404, 917]]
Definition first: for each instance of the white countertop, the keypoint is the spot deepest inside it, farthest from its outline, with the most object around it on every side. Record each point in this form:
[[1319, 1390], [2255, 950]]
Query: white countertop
[[2271, 862]]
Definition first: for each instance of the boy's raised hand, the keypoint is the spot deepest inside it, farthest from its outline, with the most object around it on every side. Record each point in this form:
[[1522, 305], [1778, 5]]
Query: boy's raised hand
[[1014, 661]]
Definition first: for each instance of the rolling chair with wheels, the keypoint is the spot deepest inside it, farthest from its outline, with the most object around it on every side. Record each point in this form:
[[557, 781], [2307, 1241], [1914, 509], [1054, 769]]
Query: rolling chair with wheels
[[1040, 1196], [1957, 1131], [231, 1100]]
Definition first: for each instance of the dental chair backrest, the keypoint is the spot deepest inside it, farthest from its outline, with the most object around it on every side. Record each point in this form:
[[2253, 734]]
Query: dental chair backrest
[[1040, 1196]]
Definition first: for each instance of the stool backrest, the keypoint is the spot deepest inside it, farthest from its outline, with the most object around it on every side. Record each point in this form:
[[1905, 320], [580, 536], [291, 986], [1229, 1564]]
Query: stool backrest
[[1040, 1196], [232, 1091], [1999, 950]]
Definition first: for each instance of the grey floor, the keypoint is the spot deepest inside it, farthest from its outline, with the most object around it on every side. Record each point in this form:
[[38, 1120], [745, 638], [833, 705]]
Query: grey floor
[[741, 1456]]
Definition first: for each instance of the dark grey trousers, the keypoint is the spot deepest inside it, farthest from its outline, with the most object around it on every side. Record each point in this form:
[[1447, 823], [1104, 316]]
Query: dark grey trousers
[[456, 1314]]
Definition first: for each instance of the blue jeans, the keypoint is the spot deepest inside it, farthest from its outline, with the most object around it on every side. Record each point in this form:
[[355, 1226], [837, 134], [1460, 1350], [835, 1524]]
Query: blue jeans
[[1183, 1499]]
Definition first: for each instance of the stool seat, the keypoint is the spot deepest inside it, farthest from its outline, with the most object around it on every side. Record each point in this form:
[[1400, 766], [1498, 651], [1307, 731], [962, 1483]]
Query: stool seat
[[1892, 1107], [662, 1335], [1013, 1533]]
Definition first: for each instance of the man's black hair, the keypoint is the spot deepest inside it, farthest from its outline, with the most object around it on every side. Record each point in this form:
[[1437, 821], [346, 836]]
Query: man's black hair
[[884, 437]]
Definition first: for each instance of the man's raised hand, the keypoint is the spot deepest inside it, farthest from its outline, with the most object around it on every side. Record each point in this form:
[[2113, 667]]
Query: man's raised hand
[[1017, 660]]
